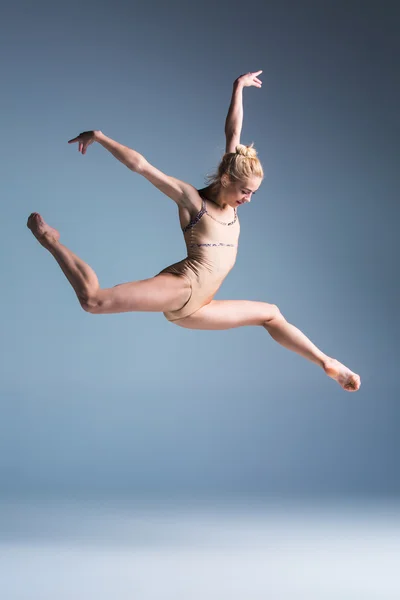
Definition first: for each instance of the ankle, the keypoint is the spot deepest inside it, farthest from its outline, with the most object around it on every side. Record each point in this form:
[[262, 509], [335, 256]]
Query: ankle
[[48, 241]]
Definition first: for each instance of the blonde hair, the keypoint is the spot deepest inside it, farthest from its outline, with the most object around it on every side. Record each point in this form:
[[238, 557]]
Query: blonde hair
[[238, 165]]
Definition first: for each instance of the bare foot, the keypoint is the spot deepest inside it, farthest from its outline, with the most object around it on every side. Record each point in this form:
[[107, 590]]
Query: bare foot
[[42, 232], [349, 381]]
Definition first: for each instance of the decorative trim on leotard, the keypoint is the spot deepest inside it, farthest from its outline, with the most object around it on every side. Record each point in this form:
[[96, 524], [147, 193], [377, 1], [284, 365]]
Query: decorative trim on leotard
[[220, 222], [197, 218], [219, 244], [203, 211]]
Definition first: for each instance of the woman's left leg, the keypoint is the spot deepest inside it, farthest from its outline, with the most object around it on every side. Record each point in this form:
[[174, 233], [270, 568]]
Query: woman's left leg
[[228, 314]]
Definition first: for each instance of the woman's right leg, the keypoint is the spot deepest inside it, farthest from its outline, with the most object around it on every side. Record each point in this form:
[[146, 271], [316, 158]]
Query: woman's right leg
[[162, 293]]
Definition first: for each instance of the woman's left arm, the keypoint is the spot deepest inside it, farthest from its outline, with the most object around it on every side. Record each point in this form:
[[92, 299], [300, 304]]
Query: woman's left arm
[[234, 119]]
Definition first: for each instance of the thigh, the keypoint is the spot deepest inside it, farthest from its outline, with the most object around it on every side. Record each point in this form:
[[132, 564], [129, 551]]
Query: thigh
[[164, 292], [227, 314]]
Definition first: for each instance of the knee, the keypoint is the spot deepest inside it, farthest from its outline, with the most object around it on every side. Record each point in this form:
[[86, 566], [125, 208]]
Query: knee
[[273, 314], [90, 303]]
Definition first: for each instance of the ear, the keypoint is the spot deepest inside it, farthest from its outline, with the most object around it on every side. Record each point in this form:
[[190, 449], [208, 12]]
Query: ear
[[224, 180]]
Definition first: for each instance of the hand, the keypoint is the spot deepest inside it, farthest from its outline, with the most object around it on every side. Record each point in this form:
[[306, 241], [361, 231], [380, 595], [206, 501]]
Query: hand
[[84, 140], [250, 79]]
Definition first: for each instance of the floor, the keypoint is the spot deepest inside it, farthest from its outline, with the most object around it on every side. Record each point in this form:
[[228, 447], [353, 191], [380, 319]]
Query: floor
[[120, 550]]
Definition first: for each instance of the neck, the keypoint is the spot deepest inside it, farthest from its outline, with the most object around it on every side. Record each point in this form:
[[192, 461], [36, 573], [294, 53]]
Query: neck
[[216, 194]]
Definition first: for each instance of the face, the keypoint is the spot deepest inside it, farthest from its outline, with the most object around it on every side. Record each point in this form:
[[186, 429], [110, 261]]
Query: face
[[241, 192]]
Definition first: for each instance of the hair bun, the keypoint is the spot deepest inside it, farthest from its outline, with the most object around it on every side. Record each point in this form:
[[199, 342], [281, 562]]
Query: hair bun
[[247, 151]]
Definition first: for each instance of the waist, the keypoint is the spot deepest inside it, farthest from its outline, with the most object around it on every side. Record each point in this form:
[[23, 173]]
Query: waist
[[217, 264]]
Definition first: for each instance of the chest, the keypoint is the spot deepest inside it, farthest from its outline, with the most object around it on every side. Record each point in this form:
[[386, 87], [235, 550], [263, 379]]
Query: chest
[[208, 221]]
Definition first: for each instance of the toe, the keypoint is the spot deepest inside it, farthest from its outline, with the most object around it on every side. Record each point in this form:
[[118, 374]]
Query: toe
[[354, 384]]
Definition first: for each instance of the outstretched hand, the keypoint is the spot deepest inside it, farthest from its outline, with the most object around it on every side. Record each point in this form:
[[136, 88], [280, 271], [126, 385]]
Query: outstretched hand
[[84, 140], [250, 79]]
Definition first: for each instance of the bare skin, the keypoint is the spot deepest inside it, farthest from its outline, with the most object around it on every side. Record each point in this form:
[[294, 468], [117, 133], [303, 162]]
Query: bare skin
[[168, 292], [228, 314], [158, 294]]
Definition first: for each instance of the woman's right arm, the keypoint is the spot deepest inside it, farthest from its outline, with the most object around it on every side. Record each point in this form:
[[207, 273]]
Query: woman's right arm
[[182, 193], [130, 158]]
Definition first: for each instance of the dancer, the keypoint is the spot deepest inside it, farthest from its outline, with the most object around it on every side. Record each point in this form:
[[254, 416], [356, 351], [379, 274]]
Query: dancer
[[208, 217]]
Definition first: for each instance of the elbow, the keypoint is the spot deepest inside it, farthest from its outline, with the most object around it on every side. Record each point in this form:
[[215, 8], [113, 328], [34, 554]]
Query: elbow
[[138, 165]]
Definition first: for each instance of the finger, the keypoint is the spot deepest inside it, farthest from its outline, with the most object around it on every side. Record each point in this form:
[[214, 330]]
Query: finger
[[80, 147], [257, 73], [257, 80], [73, 140]]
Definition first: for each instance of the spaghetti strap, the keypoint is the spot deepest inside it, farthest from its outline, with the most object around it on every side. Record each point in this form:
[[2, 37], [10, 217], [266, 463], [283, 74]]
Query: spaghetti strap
[[197, 218]]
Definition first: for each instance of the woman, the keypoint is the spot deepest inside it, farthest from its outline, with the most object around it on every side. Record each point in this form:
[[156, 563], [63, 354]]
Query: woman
[[184, 291]]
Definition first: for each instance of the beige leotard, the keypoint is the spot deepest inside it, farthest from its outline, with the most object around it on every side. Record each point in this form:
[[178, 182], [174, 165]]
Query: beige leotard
[[211, 247]]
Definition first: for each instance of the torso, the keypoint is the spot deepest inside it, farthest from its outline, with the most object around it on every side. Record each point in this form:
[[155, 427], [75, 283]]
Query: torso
[[186, 214], [211, 238]]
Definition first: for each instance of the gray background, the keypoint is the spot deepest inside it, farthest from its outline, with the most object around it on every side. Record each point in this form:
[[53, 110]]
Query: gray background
[[130, 403]]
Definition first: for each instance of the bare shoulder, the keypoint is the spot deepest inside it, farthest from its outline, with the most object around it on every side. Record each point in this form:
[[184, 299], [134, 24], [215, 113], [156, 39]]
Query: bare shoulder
[[183, 194], [191, 199]]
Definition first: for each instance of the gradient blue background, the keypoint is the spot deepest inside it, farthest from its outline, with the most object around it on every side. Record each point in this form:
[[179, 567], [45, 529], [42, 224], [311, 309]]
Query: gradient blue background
[[142, 460], [129, 403]]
